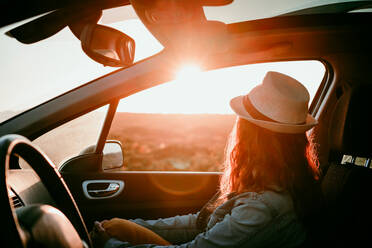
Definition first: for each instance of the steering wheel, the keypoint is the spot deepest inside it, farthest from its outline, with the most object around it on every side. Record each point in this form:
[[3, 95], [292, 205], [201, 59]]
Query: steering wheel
[[14, 232]]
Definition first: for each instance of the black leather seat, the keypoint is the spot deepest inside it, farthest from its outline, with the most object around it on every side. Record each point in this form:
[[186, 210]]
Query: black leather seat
[[348, 187]]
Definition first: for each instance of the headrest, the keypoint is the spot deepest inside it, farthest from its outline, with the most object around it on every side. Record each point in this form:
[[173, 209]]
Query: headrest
[[351, 125]]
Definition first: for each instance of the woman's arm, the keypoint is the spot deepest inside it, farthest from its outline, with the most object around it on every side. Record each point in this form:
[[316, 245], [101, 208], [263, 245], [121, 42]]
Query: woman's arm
[[235, 230], [176, 230]]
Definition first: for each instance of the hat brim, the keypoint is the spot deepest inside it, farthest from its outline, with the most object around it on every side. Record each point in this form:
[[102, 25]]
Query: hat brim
[[237, 106]]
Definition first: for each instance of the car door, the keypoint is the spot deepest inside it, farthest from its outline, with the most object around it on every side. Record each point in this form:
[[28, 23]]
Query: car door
[[124, 194]]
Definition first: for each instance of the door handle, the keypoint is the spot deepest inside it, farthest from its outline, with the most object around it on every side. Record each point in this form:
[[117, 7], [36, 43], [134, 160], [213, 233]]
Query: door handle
[[110, 190], [101, 189]]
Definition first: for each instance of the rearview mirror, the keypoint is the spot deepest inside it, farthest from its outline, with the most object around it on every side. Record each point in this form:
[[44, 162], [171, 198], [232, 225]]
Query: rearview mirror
[[112, 155], [107, 46]]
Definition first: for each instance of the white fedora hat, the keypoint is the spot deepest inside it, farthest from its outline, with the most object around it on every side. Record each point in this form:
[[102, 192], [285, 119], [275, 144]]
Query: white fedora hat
[[279, 104]]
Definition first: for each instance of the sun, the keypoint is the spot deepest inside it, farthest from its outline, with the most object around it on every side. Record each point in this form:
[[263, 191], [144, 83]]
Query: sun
[[187, 72]]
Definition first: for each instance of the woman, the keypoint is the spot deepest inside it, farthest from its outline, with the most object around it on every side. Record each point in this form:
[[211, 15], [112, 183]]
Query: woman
[[268, 193]]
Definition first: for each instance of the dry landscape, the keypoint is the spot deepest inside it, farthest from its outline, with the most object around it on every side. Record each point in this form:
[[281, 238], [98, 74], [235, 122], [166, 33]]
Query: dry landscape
[[172, 141]]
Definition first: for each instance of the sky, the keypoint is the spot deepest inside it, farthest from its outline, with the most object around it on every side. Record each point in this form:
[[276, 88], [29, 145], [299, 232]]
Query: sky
[[210, 92], [32, 74]]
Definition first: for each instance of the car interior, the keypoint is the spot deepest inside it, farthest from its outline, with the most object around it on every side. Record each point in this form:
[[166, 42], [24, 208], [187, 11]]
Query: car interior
[[69, 198]]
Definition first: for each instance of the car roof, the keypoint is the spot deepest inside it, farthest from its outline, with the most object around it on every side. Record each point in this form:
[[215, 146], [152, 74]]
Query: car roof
[[15, 11], [23, 9], [56, 15]]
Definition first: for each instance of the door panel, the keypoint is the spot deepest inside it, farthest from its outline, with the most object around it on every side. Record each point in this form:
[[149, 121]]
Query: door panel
[[145, 195]]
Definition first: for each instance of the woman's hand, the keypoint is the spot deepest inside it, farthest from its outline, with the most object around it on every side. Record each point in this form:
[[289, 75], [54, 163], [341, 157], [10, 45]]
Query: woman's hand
[[99, 235], [128, 231]]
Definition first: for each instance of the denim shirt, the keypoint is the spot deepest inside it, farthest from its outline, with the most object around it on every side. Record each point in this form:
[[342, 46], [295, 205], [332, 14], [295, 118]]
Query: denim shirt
[[250, 219]]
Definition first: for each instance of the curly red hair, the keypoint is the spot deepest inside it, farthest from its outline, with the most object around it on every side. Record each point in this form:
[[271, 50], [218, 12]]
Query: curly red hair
[[257, 159]]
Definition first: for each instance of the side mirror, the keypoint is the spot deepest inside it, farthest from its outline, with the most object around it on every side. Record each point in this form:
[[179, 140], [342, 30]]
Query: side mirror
[[107, 46], [112, 155]]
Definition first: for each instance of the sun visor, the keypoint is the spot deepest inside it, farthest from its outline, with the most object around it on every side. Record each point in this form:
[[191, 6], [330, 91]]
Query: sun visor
[[53, 22], [41, 28]]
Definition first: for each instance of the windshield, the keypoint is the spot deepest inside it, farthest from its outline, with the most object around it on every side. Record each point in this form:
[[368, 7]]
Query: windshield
[[35, 73]]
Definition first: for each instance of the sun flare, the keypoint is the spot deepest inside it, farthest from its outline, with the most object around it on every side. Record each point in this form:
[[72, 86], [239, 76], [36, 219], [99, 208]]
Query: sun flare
[[188, 71]]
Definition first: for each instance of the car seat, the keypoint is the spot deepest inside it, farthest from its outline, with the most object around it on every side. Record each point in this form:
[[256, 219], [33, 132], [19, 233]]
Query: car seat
[[347, 186]]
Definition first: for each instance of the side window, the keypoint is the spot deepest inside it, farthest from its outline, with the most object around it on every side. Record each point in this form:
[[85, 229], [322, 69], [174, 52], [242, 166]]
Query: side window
[[183, 125], [69, 139]]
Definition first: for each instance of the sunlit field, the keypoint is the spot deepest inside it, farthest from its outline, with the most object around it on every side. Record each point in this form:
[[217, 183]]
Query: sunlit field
[[172, 142]]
